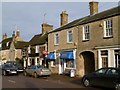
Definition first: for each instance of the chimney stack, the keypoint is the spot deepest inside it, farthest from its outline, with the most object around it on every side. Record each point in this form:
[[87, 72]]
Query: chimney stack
[[46, 27], [93, 7], [4, 36], [64, 18]]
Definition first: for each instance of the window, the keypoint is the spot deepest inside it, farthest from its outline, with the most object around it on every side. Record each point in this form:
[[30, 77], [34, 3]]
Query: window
[[7, 44], [86, 32], [56, 39], [104, 56], [0, 45], [101, 71], [112, 72], [37, 49], [108, 28], [70, 63], [70, 36], [29, 51]]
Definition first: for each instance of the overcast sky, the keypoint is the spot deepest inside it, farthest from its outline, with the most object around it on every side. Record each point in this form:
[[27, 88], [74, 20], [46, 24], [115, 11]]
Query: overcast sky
[[28, 16]]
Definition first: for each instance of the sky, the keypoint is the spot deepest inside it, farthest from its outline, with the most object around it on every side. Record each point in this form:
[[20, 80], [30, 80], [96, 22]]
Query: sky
[[28, 16]]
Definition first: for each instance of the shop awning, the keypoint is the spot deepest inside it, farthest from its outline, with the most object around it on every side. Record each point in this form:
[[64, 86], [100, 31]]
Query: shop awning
[[51, 56], [67, 55]]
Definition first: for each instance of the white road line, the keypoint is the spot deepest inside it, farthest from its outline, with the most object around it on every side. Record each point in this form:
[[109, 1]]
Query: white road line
[[11, 81]]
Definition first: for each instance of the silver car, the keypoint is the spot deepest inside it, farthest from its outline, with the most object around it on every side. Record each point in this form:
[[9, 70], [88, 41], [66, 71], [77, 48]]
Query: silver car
[[37, 70]]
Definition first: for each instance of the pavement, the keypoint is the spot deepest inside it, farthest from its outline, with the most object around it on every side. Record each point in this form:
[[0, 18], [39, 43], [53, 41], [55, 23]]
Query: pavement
[[66, 78]]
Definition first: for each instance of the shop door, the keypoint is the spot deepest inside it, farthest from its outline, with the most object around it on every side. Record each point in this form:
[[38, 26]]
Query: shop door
[[62, 65]]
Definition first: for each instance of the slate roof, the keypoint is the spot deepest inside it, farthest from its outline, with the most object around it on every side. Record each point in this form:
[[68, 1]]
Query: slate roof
[[39, 39], [91, 18]]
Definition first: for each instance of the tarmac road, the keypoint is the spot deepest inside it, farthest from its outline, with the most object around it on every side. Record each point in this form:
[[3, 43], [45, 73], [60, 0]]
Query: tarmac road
[[42, 83]]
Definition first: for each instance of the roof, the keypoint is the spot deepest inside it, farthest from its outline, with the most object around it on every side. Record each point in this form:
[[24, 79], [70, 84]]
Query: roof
[[18, 44], [21, 44], [91, 18], [39, 39], [5, 41]]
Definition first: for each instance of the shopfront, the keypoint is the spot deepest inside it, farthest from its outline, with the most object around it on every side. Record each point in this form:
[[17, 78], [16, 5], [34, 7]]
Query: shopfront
[[66, 61]]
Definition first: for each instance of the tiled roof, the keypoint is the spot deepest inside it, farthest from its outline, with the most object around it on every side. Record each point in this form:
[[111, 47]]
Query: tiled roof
[[39, 39], [91, 18]]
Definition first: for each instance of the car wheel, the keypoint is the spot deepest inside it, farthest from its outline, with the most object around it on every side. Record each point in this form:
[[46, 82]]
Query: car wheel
[[25, 73], [4, 73], [86, 82], [35, 75], [117, 87]]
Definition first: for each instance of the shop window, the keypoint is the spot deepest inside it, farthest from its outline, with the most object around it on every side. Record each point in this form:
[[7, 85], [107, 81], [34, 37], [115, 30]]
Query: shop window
[[70, 63]]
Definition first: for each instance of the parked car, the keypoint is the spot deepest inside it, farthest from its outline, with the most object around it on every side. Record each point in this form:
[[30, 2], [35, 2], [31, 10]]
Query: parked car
[[37, 70], [19, 66], [8, 69], [104, 77]]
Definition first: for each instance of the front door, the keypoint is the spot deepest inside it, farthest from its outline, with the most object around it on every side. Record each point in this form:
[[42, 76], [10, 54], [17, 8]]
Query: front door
[[61, 67]]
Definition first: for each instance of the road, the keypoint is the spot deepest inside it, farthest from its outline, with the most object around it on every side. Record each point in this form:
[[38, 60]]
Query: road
[[41, 83]]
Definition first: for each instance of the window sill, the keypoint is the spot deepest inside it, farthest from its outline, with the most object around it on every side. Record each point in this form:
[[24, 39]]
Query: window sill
[[56, 45], [108, 37], [85, 40], [69, 42]]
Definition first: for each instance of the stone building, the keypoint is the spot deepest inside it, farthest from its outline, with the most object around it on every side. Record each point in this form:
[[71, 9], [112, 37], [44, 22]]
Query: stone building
[[11, 47], [37, 48], [86, 44]]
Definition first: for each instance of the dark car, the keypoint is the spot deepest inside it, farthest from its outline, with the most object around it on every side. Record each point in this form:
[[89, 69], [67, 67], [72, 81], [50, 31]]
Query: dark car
[[8, 69], [19, 66], [104, 77]]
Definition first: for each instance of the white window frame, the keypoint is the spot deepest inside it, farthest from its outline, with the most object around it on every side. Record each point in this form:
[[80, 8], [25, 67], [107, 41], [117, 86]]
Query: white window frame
[[7, 44], [108, 28], [86, 31], [36, 49], [68, 36], [56, 39], [29, 51]]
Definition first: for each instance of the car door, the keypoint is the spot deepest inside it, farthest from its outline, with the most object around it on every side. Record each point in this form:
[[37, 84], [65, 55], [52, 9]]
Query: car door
[[98, 77], [111, 77]]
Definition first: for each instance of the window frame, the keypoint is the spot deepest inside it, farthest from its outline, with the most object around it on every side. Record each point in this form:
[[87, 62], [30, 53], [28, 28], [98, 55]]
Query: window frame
[[68, 36], [56, 38], [86, 32], [108, 28]]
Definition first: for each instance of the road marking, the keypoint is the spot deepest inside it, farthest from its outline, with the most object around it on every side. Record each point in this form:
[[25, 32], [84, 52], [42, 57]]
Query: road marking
[[11, 81]]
